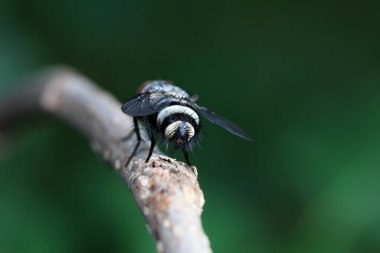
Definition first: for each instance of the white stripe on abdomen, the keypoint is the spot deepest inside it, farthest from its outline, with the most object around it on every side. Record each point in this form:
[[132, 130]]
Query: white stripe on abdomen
[[170, 110]]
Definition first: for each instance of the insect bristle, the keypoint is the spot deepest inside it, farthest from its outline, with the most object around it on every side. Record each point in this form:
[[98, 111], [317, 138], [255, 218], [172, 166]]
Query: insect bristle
[[174, 117]]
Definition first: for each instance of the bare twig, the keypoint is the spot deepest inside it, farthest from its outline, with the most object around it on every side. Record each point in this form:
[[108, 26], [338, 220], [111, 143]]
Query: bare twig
[[166, 191]]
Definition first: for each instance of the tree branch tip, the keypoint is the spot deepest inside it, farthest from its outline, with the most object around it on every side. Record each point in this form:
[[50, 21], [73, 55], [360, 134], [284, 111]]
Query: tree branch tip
[[174, 165]]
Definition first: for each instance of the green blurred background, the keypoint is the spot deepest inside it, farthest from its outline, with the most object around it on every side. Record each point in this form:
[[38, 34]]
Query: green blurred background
[[302, 77]]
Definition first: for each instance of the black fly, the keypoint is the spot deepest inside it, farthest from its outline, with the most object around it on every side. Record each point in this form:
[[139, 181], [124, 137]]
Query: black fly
[[173, 114]]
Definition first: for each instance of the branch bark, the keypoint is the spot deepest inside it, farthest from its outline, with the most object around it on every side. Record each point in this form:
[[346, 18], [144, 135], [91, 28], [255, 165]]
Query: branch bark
[[166, 191]]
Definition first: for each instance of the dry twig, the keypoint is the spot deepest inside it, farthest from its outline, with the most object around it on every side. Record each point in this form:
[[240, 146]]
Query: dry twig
[[166, 191]]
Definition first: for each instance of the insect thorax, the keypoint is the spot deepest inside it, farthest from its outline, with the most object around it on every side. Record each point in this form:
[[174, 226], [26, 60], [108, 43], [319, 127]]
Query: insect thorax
[[162, 86]]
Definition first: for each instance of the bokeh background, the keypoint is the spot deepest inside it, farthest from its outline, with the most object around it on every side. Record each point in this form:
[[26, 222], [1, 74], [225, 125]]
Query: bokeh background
[[302, 77]]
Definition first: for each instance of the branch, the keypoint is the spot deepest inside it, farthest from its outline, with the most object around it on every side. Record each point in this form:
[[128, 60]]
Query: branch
[[166, 191]]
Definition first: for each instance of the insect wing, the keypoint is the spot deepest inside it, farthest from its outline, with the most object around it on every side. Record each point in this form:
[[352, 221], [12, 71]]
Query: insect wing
[[146, 104], [137, 106], [229, 126]]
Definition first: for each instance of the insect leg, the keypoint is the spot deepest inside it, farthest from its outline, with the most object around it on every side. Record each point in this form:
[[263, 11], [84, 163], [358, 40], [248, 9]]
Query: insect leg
[[186, 154], [152, 140], [137, 131], [125, 138]]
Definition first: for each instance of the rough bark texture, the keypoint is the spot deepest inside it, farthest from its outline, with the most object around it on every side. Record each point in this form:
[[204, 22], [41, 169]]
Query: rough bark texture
[[166, 191]]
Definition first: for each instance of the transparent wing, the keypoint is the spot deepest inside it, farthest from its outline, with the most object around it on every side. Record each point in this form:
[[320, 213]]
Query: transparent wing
[[216, 119], [146, 104]]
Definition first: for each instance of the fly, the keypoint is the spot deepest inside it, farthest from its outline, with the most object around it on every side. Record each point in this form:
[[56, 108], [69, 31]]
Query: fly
[[170, 112]]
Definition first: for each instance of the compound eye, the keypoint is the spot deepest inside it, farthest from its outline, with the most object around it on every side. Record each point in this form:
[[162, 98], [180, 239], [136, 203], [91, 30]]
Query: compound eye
[[184, 131]]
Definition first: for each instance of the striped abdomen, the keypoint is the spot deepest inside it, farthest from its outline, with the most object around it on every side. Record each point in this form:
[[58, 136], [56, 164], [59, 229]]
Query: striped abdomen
[[178, 123]]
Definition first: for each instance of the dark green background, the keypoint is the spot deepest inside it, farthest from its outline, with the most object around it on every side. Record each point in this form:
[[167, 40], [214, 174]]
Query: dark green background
[[303, 77]]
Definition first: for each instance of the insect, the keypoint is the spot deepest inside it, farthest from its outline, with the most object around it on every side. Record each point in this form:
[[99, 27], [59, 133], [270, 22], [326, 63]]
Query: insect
[[173, 114]]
